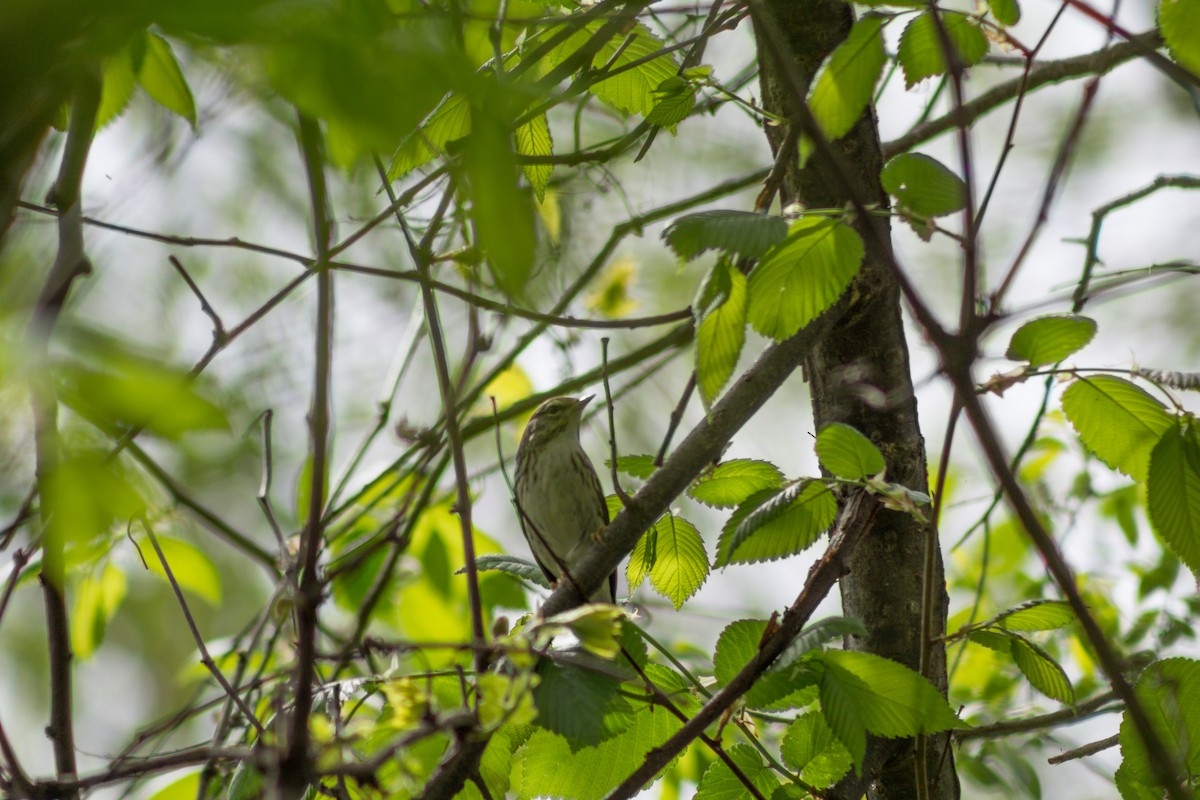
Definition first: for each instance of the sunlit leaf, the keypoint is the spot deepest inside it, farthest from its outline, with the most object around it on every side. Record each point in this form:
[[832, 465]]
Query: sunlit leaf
[[1117, 421], [1037, 615], [921, 50], [720, 783], [720, 335], [804, 275], [1173, 492], [846, 84], [847, 453], [772, 525], [97, 598], [731, 483], [1180, 24], [192, 568], [810, 748], [1048, 340], [863, 693], [533, 139], [923, 185]]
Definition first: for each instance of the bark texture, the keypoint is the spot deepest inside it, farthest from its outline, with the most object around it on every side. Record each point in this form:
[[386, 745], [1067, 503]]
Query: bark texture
[[859, 373]]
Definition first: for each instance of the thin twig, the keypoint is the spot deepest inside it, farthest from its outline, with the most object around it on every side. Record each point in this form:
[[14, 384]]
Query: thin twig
[[612, 427], [218, 326], [263, 496], [205, 658], [676, 418], [1083, 751]]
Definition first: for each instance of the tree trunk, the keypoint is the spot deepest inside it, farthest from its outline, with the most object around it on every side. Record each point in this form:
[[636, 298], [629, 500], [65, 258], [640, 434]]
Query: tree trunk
[[859, 375]]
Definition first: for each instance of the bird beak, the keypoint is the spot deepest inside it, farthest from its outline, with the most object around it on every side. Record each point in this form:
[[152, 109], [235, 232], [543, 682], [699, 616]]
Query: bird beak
[[583, 401]]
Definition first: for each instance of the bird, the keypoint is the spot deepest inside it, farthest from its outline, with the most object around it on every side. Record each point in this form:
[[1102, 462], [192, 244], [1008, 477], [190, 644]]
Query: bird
[[558, 496]]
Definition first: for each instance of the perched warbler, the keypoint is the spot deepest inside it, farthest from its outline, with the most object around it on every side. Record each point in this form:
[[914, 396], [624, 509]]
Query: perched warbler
[[559, 498]]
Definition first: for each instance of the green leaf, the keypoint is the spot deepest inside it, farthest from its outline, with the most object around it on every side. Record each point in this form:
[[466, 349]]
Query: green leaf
[[163, 80], [642, 559], [1006, 12], [1042, 671], [1173, 492], [546, 766], [369, 79], [1180, 24], [1169, 693], [923, 185], [814, 637], [501, 214], [533, 139], [183, 788], [771, 525], [119, 76], [680, 564], [519, 568], [739, 643], [810, 748], [802, 276], [847, 82], [921, 53], [719, 782], [87, 494], [193, 570], [581, 705], [731, 483], [863, 693], [738, 233], [1037, 615], [640, 466], [450, 121], [674, 99], [846, 453], [632, 89], [136, 393], [720, 335], [97, 598], [1117, 422], [1048, 340]]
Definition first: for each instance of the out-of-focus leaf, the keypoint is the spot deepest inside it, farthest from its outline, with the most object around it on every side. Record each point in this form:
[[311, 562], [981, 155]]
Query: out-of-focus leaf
[[192, 568], [163, 80], [97, 598]]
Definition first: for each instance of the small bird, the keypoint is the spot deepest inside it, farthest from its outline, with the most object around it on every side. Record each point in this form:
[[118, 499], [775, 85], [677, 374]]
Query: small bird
[[559, 499]]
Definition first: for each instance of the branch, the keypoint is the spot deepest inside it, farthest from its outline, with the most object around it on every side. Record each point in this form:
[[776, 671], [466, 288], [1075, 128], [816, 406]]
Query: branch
[[1089, 749], [205, 658], [295, 764], [855, 520], [702, 446], [1100, 704], [1047, 72]]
